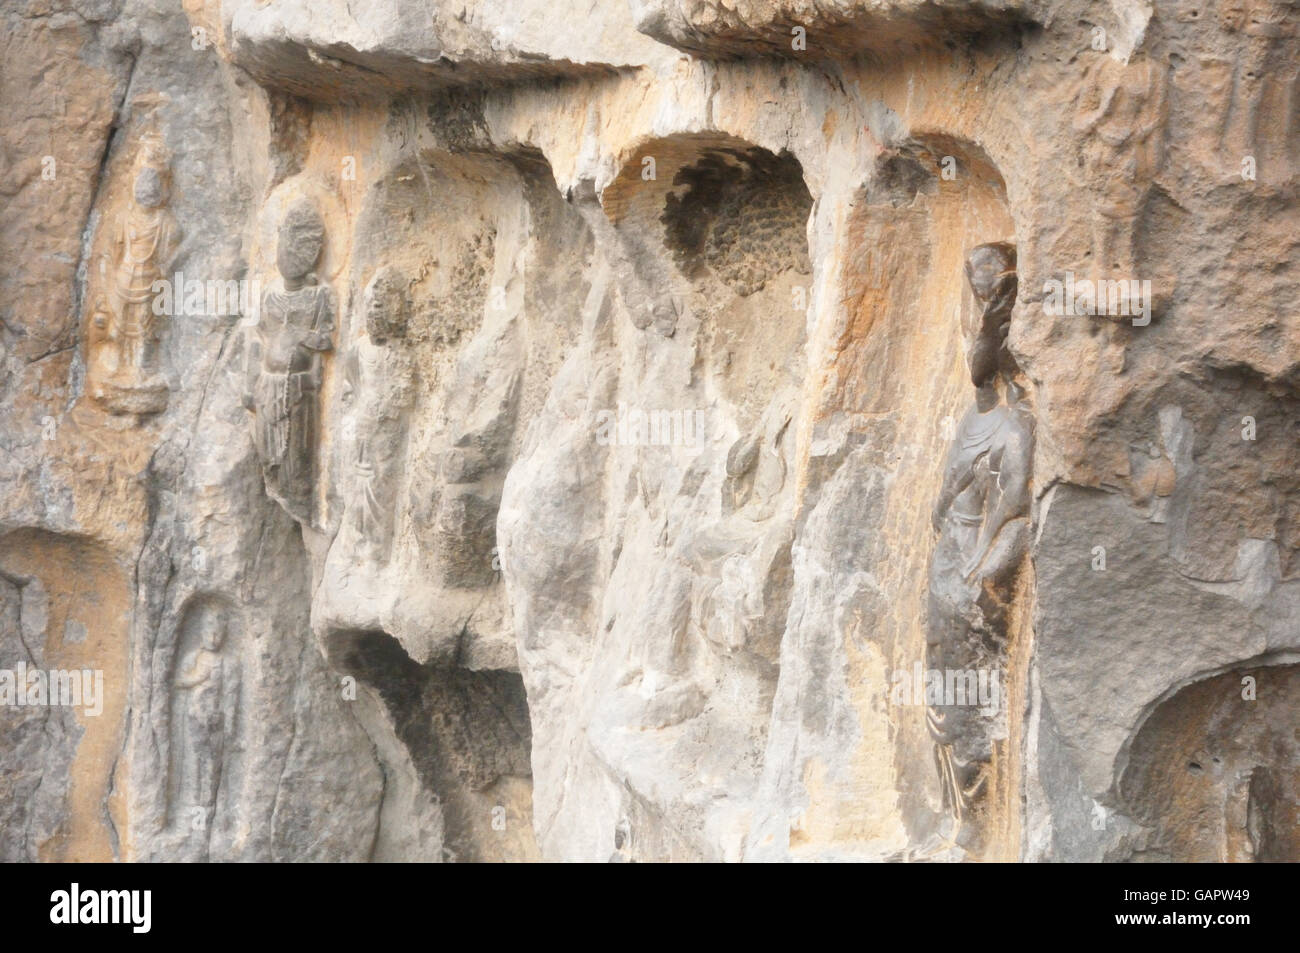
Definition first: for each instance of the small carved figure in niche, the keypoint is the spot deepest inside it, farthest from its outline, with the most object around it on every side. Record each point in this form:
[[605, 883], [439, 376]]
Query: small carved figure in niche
[[206, 691], [123, 331], [1266, 26], [284, 363], [622, 842], [380, 382], [1124, 112], [982, 517], [1153, 479]]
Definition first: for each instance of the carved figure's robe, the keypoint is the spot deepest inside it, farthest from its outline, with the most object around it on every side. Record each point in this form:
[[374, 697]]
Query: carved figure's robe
[[961, 636], [145, 244], [201, 685], [294, 328], [383, 382]]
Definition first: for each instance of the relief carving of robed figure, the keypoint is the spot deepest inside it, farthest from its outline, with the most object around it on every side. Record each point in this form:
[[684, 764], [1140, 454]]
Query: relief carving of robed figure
[[379, 383], [123, 332], [203, 710], [295, 327], [982, 518]]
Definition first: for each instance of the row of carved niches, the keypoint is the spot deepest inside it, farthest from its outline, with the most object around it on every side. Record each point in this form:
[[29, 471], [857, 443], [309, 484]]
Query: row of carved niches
[[469, 270], [1213, 773]]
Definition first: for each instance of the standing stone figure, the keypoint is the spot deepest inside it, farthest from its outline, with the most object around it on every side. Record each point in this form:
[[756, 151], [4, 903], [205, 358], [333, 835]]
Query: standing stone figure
[[284, 364], [206, 689], [1268, 28], [123, 333], [982, 517], [380, 379], [1123, 118]]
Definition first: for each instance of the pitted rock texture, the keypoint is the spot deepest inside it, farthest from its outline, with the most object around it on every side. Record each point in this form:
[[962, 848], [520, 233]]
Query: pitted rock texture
[[531, 431]]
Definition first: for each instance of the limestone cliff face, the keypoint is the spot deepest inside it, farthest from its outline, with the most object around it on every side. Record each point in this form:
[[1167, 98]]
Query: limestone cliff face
[[650, 430]]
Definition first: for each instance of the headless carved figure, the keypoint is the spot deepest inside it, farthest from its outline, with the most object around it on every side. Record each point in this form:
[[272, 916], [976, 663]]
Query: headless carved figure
[[1266, 26], [1123, 153]]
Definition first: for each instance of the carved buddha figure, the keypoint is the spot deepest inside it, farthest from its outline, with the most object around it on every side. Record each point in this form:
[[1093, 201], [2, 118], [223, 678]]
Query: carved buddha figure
[[145, 241], [204, 687], [123, 329], [284, 362], [982, 517]]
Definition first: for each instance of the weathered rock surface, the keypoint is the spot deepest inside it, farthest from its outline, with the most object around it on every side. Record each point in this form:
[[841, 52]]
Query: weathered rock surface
[[582, 431]]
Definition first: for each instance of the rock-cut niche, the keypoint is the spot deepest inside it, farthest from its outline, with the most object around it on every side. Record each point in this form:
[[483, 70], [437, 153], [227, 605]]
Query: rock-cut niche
[[467, 734], [940, 416], [1213, 774], [708, 234], [65, 606], [715, 226]]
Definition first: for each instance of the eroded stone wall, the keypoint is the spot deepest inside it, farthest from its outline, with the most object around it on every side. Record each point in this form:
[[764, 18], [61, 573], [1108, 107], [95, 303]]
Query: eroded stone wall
[[584, 444]]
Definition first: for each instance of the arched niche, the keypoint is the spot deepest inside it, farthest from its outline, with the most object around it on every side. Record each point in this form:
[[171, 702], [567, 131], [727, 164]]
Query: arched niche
[[65, 606], [713, 229], [913, 222], [207, 711], [896, 388], [1213, 773], [488, 263]]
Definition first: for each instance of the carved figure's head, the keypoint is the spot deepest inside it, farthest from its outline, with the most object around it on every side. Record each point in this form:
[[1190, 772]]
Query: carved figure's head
[[991, 272], [989, 268], [301, 238], [151, 169], [150, 191], [385, 306], [212, 630]]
